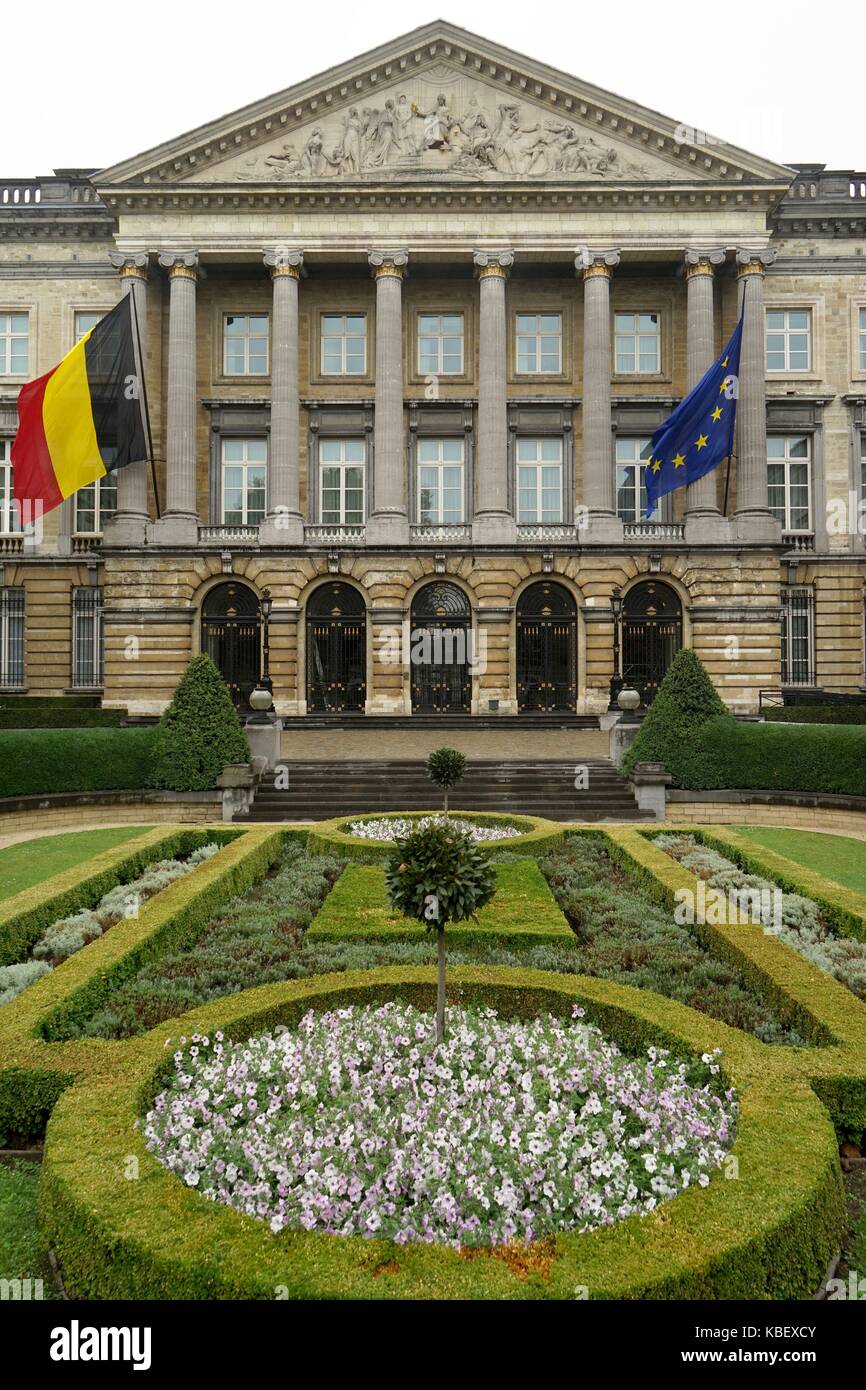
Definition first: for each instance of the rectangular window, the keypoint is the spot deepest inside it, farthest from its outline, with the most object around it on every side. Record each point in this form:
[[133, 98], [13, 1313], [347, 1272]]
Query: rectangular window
[[637, 344], [87, 638], [539, 480], [440, 482], [798, 666], [9, 515], [245, 345], [539, 343], [631, 465], [245, 472], [440, 344], [95, 503], [341, 482], [85, 319], [788, 480], [344, 344], [789, 340], [862, 337], [11, 638], [14, 344]]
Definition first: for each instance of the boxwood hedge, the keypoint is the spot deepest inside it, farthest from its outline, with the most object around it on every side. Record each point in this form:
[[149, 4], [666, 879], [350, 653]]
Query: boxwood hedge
[[333, 836], [35, 762], [767, 1234]]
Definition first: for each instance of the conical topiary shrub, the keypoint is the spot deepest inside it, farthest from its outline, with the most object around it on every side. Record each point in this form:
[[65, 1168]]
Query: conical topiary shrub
[[686, 700], [199, 732]]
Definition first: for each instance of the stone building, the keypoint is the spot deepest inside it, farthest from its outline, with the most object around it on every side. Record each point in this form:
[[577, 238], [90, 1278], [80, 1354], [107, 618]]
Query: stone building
[[408, 327]]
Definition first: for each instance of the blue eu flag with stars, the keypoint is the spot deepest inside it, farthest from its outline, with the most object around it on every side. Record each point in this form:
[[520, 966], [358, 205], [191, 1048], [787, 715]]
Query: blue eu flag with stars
[[700, 432]]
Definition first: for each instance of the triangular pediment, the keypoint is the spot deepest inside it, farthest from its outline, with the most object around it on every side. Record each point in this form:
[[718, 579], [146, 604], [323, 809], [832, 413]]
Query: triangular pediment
[[441, 105]]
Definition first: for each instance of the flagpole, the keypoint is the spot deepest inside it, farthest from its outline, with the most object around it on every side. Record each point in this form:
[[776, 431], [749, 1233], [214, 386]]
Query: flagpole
[[145, 403], [727, 485]]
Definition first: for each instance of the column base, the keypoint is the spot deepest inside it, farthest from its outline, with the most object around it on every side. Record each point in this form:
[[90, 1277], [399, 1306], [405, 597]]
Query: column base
[[387, 528], [756, 526], [601, 528], [283, 528], [125, 529], [494, 528], [707, 528], [178, 530]]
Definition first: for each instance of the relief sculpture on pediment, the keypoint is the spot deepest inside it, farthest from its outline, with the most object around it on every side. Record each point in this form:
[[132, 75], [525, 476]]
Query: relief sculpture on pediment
[[481, 137]]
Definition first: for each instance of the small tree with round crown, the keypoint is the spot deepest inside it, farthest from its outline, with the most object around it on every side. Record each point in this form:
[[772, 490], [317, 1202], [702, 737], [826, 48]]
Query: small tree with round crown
[[445, 768], [437, 875]]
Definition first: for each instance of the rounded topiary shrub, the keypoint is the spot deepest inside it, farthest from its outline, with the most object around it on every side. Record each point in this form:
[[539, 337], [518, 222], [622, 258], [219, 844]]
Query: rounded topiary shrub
[[199, 733]]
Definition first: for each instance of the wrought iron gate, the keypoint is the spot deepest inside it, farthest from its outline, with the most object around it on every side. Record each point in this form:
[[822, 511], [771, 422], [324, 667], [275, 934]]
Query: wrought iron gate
[[652, 634], [336, 650], [441, 678], [231, 636], [546, 649]]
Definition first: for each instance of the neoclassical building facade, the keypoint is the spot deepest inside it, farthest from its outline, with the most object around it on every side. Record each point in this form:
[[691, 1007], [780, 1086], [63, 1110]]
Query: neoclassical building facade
[[407, 329]]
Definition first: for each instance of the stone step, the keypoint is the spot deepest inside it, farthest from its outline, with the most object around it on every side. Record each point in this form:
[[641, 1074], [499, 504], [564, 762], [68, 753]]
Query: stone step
[[321, 790]]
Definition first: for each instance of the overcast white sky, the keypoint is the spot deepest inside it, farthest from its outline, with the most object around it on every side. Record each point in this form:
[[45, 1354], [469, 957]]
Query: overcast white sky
[[785, 79]]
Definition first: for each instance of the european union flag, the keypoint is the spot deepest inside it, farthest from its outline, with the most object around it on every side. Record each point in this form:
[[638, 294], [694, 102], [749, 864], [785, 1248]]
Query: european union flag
[[700, 432]]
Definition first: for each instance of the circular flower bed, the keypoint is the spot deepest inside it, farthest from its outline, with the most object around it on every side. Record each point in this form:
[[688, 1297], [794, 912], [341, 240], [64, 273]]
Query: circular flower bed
[[387, 828], [354, 1124]]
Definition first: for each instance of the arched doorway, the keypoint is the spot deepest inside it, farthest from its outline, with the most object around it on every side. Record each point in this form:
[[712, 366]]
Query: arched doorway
[[441, 680], [336, 650], [546, 648], [652, 634], [231, 634]]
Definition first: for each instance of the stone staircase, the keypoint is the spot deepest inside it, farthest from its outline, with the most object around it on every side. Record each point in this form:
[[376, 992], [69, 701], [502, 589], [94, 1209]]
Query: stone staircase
[[318, 790]]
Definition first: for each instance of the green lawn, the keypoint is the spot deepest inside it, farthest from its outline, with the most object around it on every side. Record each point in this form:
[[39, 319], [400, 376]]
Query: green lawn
[[521, 912], [31, 861], [22, 1255], [835, 856]]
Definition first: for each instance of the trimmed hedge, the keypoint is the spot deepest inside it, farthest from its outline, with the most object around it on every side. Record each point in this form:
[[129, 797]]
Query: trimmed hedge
[[843, 908], [24, 916], [522, 911], [815, 714], [23, 718], [770, 1234], [86, 980], [199, 733], [332, 837], [771, 757], [37, 762]]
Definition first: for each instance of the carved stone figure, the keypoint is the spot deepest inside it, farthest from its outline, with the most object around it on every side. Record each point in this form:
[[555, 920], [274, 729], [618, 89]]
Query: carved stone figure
[[352, 143], [437, 123]]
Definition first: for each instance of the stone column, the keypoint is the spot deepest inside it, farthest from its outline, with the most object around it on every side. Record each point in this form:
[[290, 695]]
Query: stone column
[[179, 525], [284, 524], [702, 510], [753, 520], [128, 526], [599, 492], [388, 523], [493, 522]]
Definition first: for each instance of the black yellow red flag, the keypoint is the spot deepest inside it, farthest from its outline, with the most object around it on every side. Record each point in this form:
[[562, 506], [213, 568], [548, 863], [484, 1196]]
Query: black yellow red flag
[[82, 419]]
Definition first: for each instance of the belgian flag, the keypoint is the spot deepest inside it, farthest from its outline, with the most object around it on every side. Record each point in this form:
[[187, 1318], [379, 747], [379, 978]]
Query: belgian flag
[[82, 419]]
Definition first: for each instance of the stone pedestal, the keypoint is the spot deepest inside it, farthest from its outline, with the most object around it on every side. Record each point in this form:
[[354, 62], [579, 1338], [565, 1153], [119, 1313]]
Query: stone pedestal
[[650, 781], [264, 740]]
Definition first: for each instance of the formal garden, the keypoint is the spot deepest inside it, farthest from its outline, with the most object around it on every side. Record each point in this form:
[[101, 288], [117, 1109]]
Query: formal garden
[[436, 1054]]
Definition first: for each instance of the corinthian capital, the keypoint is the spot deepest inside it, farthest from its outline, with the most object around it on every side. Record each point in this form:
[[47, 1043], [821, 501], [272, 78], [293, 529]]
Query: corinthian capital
[[589, 262], [493, 262], [283, 260], [129, 264], [390, 262], [700, 262], [183, 264], [755, 262]]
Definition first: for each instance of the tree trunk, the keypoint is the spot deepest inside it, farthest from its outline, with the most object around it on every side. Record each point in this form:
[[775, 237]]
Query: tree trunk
[[445, 799], [440, 987]]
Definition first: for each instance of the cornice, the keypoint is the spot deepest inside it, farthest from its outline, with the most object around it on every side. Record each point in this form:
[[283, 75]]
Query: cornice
[[639, 195]]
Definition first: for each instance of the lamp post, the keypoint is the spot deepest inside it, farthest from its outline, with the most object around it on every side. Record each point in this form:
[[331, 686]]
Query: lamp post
[[266, 604], [616, 679]]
